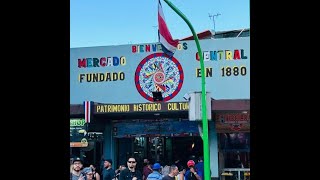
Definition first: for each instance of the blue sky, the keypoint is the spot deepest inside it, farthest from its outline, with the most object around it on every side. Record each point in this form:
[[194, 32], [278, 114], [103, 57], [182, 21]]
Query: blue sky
[[117, 22]]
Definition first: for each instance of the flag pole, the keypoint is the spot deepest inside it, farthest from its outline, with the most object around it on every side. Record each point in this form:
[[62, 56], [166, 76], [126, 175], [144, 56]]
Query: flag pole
[[206, 154]]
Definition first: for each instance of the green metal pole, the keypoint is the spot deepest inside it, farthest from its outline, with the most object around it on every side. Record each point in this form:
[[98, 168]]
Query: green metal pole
[[205, 138]]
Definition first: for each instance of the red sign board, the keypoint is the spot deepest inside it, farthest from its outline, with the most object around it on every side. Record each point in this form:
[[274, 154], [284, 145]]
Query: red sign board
[[232, 122]]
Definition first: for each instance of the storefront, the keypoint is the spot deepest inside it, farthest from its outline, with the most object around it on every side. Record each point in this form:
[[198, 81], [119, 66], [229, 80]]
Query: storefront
[[84, 143], [233, 128], [161, 132], [164, 135], [180, 140]]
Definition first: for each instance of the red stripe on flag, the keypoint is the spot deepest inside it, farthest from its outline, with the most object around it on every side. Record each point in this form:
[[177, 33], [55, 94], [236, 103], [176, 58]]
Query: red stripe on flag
[[164, 31], [87, 109]]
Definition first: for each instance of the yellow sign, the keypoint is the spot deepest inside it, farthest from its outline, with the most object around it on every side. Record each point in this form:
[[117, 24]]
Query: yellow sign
[[141, 107]]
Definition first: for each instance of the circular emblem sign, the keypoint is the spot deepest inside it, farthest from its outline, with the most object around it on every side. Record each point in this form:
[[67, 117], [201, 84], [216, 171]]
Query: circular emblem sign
[[159, 72]]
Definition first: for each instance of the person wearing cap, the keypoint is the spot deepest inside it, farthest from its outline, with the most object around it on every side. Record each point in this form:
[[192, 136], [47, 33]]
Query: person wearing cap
[[200, 167], [110, 172], [192, 173], [76, 171], [88, 173], [155, 175]]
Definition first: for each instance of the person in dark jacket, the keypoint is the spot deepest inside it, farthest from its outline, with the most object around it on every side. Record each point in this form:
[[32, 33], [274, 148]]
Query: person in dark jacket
[[192, 173], [200, 167], [110, 172], [131, 173]]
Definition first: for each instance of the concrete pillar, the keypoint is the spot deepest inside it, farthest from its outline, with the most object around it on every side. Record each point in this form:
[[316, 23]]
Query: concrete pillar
[[213, 145], [109, 143]]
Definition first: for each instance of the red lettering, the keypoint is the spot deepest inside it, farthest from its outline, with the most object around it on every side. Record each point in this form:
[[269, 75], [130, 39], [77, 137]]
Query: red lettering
[[227, 117], [134, 49], [238, 117], [236, 54], [82, 63], [197, 57], [233, 117], [242, 118], [148, 48], [103, 61]]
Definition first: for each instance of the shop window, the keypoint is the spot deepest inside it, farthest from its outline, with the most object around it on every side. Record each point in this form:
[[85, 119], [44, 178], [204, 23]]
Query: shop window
[[156, 146], [235, 141], [235, 148]]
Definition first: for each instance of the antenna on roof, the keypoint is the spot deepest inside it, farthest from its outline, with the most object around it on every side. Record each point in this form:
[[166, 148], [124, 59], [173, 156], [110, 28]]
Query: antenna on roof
[[213, 19]]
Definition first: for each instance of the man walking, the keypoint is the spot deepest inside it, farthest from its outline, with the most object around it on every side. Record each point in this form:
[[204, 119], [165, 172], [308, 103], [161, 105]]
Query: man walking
[[173, 172], [109, 172]]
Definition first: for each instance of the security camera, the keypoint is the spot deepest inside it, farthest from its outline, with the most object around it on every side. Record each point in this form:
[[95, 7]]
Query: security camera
[[186, 97]]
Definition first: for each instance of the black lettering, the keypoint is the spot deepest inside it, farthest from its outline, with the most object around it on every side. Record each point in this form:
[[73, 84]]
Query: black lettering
[[95, 62], [198, 72], [208, 72], [95, 77], [101, 77], [89, 78], [108, 77], [121, 76], [114, 76], [81, 77], [185, 46], [242, 55]]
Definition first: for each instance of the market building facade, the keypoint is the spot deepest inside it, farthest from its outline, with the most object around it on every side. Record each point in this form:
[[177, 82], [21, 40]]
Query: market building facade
[[125, 118]]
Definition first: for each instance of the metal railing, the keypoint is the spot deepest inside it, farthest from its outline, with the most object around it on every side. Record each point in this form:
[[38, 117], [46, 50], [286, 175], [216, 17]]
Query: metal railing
[[235, 174]]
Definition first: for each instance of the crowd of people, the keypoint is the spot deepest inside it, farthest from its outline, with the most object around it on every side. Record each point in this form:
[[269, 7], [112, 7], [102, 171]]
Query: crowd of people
[[177, 171]]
